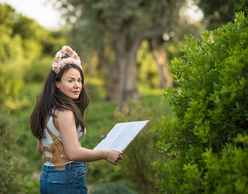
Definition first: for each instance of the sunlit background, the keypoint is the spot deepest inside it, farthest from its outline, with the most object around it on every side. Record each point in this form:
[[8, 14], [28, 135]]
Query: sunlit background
[[40, 10], [127, 49]]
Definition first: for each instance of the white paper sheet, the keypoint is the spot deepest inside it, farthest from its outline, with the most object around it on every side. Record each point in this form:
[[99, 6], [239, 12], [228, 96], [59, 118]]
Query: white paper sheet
[[121, 135]]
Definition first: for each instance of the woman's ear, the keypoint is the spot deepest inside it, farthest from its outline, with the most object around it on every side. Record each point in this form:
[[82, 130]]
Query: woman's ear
[[57, 84]]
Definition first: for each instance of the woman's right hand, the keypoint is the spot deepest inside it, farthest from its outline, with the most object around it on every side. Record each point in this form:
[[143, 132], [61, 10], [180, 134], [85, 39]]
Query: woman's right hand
[[113, 156]]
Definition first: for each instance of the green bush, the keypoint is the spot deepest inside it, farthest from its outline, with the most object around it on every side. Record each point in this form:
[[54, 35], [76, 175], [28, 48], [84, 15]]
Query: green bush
[[10, 73], [18, 153], [225, 172], [211, 109], [10, 176], [38, 70]]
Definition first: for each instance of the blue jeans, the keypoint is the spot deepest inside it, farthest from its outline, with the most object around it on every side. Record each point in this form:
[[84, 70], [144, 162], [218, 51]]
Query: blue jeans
[[68, 180]]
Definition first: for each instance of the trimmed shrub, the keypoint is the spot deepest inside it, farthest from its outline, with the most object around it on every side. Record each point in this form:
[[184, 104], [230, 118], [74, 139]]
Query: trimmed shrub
[[211, 109]]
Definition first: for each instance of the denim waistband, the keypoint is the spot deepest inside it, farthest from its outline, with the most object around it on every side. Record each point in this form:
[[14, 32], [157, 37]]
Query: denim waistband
[[67, 166]]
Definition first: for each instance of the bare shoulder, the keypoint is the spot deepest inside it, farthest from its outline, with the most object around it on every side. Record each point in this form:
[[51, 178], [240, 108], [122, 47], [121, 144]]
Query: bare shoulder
[[61, 113], [64, 116], [65, 123]]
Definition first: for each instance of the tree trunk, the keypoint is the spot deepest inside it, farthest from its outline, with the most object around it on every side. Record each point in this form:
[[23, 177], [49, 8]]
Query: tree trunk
[[123, 74], [113, 72], [160, 57], [113, 85], [166, 79], [126, 58], [128, 86], [127, 52], [132, 85]]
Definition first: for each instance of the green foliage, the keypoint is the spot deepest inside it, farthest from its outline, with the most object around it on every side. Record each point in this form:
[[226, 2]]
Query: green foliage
[[53, 41], [10, 161], [23, 43], [211, 109], [10, 54], [25, 140], [98, 18], [17, 145], [113, 188], [225, 172], [38, 71]]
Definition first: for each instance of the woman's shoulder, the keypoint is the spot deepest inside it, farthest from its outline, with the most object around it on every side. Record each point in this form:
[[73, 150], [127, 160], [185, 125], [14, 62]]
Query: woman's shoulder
[[64, 119], [64, 114]]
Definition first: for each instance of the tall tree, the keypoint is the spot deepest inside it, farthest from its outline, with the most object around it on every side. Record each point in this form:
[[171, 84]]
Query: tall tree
[[119, 26]]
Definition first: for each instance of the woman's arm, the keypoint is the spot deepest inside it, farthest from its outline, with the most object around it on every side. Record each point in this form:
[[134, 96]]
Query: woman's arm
[[39, 146], [67, 127]]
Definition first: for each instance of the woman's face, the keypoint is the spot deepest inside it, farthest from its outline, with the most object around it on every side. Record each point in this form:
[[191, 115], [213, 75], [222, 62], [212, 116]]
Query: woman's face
[[71, 83]]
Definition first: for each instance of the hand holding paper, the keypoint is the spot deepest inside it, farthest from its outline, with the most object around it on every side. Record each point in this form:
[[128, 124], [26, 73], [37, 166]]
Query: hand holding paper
[[113, 156]]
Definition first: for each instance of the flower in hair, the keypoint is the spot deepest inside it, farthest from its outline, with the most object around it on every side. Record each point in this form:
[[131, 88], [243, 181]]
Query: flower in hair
[[58, 64]]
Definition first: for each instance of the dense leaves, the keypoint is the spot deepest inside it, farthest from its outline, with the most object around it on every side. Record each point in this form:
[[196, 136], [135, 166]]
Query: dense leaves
[[11, 180], [23, 48], [211, 110]]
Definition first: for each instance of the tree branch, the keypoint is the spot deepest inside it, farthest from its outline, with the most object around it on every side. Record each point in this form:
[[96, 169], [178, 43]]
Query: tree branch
[[145, 35], [150, 33]]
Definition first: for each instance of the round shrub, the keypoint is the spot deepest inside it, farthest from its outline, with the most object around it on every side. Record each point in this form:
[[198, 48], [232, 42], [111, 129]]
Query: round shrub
[[211, 109]]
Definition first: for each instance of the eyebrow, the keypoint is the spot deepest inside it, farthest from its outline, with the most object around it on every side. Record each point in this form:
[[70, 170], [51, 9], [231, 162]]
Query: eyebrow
[[74, 78]]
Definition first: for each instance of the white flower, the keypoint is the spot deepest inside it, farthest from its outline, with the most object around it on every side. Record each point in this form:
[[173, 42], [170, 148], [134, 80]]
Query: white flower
[[64, 48], [59, 54], [73, 59], [55, 64]]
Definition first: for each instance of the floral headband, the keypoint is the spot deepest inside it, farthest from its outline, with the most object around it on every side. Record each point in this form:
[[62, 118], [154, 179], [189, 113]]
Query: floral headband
[[73, 59]]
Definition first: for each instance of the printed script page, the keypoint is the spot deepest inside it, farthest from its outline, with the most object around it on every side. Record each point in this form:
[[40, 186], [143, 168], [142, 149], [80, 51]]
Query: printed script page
[[111, 137], [121, 136]]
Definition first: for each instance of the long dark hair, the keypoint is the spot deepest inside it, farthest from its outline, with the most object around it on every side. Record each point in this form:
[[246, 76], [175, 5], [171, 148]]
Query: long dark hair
[[52, 98]]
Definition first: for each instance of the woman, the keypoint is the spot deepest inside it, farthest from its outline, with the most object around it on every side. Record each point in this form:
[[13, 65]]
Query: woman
[[57, 123]]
